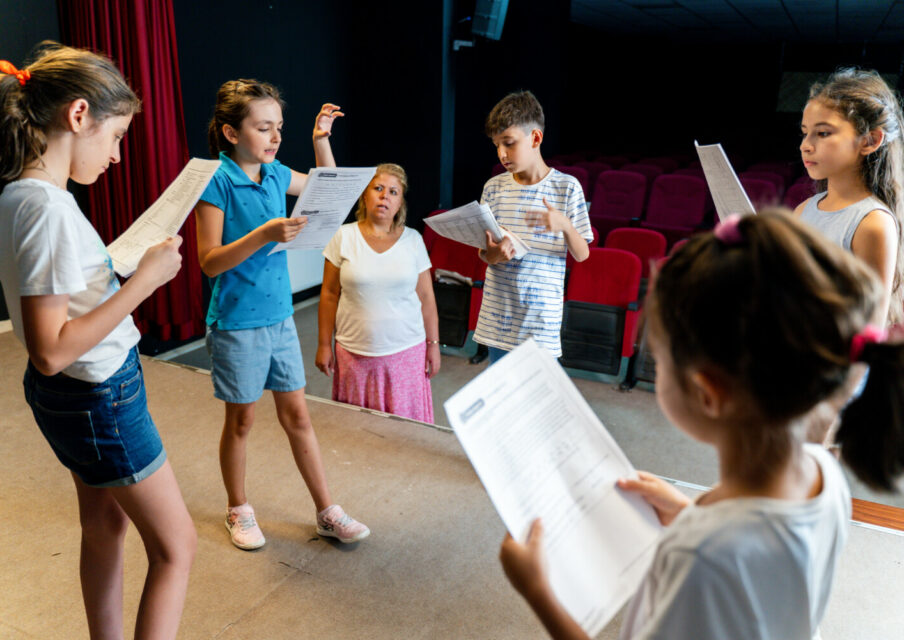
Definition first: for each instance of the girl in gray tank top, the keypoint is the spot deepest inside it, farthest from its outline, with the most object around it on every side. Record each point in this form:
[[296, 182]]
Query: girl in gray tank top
[[852, 146]]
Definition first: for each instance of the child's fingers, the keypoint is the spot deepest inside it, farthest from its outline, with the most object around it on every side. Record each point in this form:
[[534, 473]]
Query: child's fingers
[[175, 241], [535, 534]]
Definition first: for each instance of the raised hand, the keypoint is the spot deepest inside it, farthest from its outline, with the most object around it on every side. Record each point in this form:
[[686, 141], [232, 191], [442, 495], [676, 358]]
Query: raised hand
[[665, 499], [283, 229], [323, 123]]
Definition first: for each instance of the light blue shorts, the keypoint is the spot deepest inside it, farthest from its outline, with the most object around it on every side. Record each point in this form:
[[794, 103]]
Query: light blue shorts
[[244, 362]]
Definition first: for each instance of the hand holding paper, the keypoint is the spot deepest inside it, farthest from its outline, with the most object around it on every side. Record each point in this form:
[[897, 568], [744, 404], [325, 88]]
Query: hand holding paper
[[160, 263], [470, 223], [329, 194], [164, 218], [540, 451]]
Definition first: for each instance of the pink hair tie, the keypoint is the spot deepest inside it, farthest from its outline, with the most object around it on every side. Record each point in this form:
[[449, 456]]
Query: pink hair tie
[[870, 334], [728, 232], [23, 75]]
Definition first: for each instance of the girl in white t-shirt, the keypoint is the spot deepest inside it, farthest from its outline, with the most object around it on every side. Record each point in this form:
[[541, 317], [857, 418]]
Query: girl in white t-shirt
[[377, 297], [63, 118], [751, 326]]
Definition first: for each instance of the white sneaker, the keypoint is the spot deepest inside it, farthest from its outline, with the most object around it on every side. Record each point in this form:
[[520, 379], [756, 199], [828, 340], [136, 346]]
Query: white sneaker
[[243, 527], [336, 523]]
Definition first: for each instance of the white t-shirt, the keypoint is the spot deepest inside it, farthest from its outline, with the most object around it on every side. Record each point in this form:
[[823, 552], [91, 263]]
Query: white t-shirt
[[48, 247], [379, 312], [524, 298], [752, 568]]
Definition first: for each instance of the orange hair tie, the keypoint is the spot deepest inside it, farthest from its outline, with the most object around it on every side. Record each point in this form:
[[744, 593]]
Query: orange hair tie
[[24, 75]]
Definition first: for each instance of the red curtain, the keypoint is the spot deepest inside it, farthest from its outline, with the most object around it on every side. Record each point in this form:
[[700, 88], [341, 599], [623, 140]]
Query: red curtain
[[140, 37]]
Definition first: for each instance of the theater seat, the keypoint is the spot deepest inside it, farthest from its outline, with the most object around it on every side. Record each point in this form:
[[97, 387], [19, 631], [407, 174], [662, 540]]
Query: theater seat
[[598, 323], [618, 198], [677, 206], [457, 304]]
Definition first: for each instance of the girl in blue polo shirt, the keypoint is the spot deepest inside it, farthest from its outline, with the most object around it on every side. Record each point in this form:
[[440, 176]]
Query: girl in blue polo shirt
[[252, 340]]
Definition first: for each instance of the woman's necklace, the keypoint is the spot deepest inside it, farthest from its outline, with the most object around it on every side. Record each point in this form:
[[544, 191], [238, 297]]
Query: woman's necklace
[[48, 174]]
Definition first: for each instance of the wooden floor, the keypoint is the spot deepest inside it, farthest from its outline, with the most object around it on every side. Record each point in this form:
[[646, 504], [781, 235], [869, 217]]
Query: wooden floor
[[880, 515]]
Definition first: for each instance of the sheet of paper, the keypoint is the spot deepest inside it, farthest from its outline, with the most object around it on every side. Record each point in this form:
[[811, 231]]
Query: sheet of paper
[[540, 451], [728, 194], [469, 224], [328, 196], [164, 218]]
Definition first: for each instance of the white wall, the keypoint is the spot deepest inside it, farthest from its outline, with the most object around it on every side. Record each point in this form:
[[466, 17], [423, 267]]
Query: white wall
[[305, 268]]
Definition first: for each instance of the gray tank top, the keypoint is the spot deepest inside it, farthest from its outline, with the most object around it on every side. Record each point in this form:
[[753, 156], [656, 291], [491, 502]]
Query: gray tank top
[[839, 226]]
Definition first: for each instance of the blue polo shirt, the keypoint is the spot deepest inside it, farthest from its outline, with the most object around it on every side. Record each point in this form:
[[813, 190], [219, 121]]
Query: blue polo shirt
[[257, 292]]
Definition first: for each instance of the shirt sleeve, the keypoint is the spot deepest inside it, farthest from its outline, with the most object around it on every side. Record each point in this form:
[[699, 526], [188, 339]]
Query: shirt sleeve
[[283, 175], [577, 211], [421, 258], [333, 249], [47, 241], [216, 191]]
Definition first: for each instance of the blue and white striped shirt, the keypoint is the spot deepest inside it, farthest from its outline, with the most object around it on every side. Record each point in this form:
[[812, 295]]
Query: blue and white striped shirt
[[523, 298]]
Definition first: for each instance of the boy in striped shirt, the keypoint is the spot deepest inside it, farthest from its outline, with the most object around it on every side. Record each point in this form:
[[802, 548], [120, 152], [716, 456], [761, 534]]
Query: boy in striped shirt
[[545, 208]]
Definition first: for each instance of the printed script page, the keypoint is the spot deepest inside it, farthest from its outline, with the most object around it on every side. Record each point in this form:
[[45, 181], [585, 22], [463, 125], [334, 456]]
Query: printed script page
[[164, 218], [469, 224], [540, 451], [728, 194], [329, 194]]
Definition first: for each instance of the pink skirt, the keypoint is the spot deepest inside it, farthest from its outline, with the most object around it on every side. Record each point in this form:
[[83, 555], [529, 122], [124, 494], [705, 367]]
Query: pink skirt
[[396, 383]]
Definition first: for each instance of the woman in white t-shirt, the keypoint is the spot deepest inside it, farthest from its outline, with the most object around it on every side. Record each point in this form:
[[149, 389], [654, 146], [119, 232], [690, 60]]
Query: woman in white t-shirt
[[377, 297]]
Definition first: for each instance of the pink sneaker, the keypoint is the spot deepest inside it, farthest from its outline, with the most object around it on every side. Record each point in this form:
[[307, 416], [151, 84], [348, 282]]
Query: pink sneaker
[[336, 523], [243, 527]]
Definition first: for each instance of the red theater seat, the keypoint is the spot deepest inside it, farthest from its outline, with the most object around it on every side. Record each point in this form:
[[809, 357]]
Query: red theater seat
[[600, 316], [677, 206], [618, 198]]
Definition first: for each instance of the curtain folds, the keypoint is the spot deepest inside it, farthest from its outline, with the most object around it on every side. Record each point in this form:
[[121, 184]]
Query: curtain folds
[[140, 37]]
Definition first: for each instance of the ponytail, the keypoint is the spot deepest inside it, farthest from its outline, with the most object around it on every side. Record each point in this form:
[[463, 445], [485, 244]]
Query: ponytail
[[871, 435], [33, 99]]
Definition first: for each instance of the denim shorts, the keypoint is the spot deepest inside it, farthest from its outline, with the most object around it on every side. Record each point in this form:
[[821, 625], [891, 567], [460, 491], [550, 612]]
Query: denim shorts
[[101, 431], [244, 362]]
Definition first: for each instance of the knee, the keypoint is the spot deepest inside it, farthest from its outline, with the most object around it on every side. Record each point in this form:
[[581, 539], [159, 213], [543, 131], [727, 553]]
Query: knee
[[297, 421], [178, 549], [238, 425], [105, 523]]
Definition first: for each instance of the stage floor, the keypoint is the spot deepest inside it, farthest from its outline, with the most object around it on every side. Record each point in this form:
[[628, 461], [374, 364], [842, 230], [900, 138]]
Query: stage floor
[[429, 569]]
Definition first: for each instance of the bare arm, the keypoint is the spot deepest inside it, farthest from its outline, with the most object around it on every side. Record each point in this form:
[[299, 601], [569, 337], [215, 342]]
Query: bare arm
[[876, 243], [215, 258], [330, 291], [54, 342], [524, 565], [554, 220], [424, 291], [323, 152]]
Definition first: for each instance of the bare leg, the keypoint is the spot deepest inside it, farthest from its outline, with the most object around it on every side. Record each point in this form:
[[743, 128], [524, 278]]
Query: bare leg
[[292, 411], [104, 526], [156, 508], [237, 426]]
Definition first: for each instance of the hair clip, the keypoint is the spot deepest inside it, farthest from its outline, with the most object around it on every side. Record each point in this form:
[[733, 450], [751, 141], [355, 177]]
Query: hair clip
[[22, 74], [728, 232], [870, 334]]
